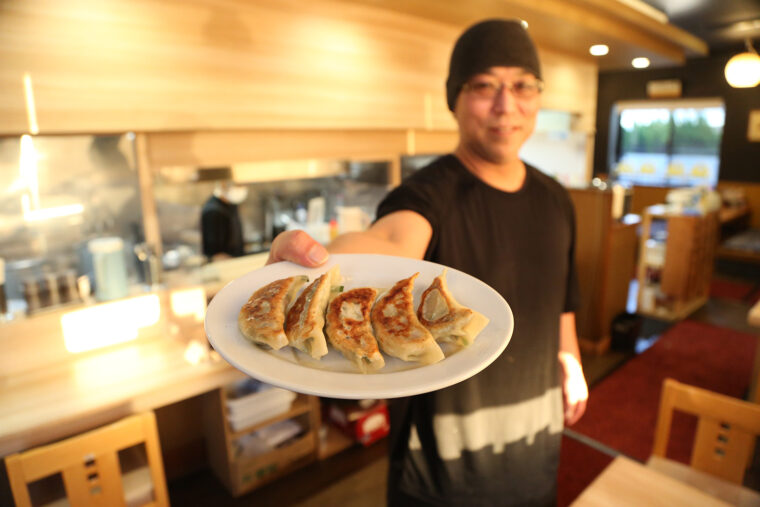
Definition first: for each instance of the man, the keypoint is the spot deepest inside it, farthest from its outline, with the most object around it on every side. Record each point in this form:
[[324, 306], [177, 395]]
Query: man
[[221, 231], [493, 439]]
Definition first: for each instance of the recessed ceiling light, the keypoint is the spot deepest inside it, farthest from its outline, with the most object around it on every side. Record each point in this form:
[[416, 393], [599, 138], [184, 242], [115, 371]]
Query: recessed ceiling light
[[599, 49], [640, 62], [524, 23]]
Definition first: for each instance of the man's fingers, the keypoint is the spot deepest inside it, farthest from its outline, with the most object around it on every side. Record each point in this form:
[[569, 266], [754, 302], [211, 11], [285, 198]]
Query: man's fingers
[[574, 412], [297, 247], [581, 409], [569, 415]]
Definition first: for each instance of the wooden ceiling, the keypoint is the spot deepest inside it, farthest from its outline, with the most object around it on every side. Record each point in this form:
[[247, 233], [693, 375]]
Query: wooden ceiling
[[570, 26]]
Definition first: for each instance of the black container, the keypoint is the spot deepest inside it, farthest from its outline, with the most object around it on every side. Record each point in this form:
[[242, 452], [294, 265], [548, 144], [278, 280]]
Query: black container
[[3, 300], [624, 331]]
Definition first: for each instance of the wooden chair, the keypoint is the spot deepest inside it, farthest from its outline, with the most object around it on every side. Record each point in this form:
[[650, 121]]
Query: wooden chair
[[726, 429], [89, 464]]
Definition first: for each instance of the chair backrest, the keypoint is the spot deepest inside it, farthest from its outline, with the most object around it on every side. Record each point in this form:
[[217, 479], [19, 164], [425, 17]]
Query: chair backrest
[[89, 464], [726, 429]]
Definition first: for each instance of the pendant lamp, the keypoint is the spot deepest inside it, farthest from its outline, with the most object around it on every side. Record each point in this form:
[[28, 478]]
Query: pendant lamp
[[743, 70]]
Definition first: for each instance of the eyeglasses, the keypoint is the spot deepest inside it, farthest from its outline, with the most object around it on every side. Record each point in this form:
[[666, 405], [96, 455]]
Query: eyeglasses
[[489, 88]]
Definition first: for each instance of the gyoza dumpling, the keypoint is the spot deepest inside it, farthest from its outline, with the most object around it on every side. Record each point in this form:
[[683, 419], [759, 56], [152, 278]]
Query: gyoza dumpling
[[306, 318], [262, 318], [397, 329], [447, 320], [349, 328]]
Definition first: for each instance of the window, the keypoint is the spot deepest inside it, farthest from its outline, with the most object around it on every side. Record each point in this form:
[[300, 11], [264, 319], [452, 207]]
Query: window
[[667, 143]]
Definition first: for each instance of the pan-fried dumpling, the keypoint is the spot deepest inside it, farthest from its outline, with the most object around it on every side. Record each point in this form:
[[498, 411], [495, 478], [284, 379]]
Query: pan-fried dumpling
[[397, 329], [262, 318], [447, 320], [306, 318], [349, 328]]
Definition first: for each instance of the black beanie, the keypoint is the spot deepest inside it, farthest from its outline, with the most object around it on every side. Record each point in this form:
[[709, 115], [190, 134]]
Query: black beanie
[[490, 43]]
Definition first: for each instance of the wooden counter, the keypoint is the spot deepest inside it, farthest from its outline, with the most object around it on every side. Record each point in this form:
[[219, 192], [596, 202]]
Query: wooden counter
[[53, 384], [73, 368]]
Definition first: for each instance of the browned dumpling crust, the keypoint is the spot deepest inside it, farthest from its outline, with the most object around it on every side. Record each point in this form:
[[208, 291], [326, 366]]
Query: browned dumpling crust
[[447, 320], [306, 318], [397, 328], [349, 328], [262, 317]]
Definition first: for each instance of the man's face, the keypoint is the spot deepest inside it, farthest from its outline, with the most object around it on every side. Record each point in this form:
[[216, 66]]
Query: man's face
[[496, 112]]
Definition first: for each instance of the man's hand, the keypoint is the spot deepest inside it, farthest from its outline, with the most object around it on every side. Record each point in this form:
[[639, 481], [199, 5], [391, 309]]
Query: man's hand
[[298, 247], [574, 388]]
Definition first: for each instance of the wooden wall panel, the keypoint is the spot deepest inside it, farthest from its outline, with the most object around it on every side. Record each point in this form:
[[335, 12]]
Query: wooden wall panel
[[208, 149], [421, 142], [149, 65], [570, 86]]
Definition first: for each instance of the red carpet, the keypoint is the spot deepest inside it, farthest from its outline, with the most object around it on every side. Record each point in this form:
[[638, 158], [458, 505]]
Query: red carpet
[[726, 289], [622, 408], [579, 465]]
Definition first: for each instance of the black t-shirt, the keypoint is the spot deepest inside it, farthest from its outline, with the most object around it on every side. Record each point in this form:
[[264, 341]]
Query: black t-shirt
[[494, 438], [220, 228]]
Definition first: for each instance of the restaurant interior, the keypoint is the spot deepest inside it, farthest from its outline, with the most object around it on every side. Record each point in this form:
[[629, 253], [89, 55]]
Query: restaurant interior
[[119, 119]]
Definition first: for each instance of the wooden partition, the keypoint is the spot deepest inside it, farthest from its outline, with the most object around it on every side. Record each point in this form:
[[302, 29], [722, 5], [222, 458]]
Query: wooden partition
[[605, 255], [646, 196]]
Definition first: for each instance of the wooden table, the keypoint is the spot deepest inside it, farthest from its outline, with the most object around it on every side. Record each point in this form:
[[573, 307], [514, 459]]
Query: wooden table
[[753, 316], [710, 484], [626, 482], [727, 215]]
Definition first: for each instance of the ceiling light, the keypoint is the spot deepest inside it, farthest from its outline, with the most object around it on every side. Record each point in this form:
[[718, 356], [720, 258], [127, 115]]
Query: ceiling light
[[745, 26], [599, 49], [743, 70], [640, 62]]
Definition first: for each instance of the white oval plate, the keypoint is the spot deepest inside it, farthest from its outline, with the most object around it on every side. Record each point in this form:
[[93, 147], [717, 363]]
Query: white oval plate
[[334, 376]]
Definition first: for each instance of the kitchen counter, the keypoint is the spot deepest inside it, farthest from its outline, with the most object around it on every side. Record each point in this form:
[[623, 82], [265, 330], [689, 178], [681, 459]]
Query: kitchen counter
[[71, 369]]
